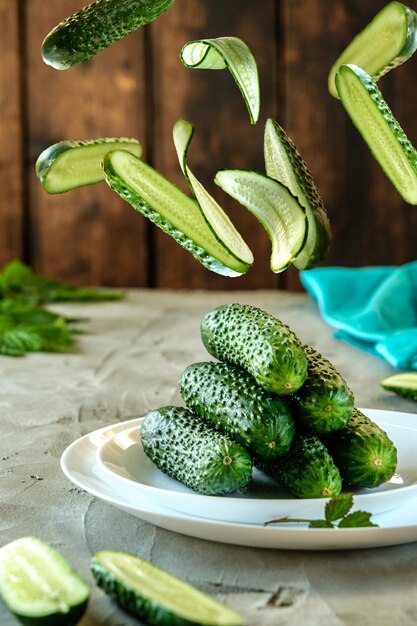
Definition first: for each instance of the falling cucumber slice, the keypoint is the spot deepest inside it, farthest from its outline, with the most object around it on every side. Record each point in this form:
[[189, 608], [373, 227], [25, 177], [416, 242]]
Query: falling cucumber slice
[[284, 163], [386, 42], [276, 209], [219, 248], [70, 164], [39, 586], [231, 53], [374, 120], [155, 596], [95, 27], [404, 384]]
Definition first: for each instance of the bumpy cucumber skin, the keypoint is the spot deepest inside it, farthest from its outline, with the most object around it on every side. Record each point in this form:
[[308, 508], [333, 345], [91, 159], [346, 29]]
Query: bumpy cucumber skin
[[324, 403], [363, 452], [231, 400], [259, 343], [318, 241], [95, 27], [307, 470], [194, 453]]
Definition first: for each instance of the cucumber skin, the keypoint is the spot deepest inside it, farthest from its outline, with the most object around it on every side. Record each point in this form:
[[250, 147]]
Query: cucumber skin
[[307, 470], [389, 384], [230, 399], [357, 446], [323, 388], [95, 27], [189, 450], [259, 343], [58, 619]]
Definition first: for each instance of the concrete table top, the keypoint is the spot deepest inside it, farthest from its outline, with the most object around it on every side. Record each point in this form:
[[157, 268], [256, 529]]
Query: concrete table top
[[129, 361]]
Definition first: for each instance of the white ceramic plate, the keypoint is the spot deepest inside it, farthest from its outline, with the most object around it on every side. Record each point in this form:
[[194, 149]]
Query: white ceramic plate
[[129, 471], [79, 465]]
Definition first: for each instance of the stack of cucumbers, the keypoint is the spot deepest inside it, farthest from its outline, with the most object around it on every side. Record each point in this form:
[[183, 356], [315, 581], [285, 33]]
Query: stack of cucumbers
[[269, 402]]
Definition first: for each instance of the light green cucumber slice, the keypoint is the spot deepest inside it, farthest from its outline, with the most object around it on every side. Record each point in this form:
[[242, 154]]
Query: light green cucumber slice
[[154, 595], [275, 208], [95, 27], [231, 53], [374, 120], [386, 42], [284, 163], [70, 164], [178, 215], [39, 586], [404, 384]]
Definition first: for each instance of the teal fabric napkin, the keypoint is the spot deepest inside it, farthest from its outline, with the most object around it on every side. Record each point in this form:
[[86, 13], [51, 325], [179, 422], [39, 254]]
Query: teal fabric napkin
[[373, 308]]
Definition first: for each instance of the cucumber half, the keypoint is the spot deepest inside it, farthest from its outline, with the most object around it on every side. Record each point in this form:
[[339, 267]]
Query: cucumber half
[[386, 42], [284, 163], [375, 122], [39, 586], [70, 164], [274, 206], [404, 384], [154, 595], [232, 53], [95, 27]]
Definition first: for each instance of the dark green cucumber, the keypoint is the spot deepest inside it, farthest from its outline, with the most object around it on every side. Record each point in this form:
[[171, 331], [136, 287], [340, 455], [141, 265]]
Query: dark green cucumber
[[155, 596], [284, 163], [232, 400], [259, 343], [70, 164], [324, 403], [95, 27], [374, 120], [186, 448], [403, 384], [307, 470], [363, 452], [39, 586], [386, 42]]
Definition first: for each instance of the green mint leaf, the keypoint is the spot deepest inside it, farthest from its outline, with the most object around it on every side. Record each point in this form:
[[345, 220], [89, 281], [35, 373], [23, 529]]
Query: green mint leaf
[[356, 519], [338, 507], [320, 523]]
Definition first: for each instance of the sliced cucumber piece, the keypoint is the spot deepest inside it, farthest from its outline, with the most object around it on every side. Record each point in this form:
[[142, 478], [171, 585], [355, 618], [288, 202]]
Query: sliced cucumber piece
[[95, 27], [39, 586], [70, 164], [284, 163], [178, 215], [156, 596], [374, 120], [276, 209], [404, 384], [386, 42], [231, 53]]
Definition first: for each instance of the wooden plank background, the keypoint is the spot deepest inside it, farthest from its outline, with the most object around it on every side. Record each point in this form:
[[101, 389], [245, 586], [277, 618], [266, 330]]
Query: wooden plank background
[[139, 88]]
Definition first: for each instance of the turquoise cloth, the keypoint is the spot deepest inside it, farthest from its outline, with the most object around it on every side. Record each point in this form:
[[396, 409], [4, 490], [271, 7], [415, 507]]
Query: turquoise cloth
[[373, 308]]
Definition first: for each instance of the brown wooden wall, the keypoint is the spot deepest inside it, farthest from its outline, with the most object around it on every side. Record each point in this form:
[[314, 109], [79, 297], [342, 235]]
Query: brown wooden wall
[[139, 88]]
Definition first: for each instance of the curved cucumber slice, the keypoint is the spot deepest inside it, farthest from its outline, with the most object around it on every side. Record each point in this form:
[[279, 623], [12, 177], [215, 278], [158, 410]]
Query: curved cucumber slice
[[70, 164], [156, 596], [95, 27], [404, 384], [386, 42], [276, 209], [178, 215], [374, 120], [232, 53], [284, 163], [39, 586]]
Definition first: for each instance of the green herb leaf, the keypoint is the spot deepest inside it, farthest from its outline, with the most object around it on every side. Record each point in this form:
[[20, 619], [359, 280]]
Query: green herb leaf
[[356, 519], [320, 523], [338, 507]]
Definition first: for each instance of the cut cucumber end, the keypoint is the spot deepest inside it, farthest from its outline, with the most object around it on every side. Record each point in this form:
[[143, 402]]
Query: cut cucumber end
[[374, 120], [386, 42]]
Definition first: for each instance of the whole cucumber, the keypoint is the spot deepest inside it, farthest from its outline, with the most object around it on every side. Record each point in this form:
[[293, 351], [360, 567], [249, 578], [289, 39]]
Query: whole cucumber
[[363, 452], [186, 448], [232, 400], [259, 343]]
